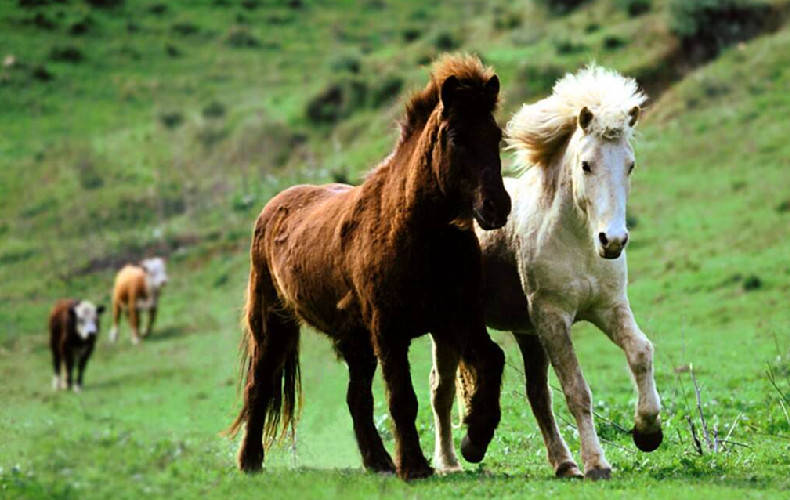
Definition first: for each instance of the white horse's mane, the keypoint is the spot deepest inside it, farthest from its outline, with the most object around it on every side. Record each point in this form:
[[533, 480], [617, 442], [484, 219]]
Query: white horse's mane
[[539, 130]]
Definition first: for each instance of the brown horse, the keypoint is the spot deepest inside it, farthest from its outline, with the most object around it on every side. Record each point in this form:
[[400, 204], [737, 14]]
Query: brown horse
[[377, 265]]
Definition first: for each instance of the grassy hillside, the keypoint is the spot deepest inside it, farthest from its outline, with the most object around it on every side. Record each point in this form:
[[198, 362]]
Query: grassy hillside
[[179, 119]]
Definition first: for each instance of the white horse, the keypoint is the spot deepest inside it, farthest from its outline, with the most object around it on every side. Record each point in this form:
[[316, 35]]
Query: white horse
[[560, 259]]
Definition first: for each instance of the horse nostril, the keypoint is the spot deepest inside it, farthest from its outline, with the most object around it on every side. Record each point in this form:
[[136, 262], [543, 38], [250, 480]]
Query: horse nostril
[[602, 238], [488, 206], [625, 240]]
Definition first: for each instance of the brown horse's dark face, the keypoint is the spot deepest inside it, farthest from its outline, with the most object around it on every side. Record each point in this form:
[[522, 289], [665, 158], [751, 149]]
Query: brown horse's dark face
[[470, 139]]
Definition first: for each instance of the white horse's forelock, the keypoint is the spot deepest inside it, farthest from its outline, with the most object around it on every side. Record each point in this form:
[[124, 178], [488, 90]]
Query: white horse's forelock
[[538, 130]]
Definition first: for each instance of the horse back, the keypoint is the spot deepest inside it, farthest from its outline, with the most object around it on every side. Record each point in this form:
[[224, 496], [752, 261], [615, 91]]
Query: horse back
[[298, 236]]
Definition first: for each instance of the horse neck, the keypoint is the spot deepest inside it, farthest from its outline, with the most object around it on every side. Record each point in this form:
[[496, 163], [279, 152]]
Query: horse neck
[[563, 208], [410, 190]]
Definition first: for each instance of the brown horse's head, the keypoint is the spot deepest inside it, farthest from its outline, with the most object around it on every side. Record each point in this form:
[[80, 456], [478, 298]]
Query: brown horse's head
[[466, 159]]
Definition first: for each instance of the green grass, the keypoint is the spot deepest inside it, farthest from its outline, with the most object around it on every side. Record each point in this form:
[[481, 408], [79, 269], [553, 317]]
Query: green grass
[[707, 199]]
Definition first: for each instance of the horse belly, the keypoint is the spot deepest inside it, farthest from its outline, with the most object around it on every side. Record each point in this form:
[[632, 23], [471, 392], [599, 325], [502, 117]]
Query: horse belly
[[505, 303]]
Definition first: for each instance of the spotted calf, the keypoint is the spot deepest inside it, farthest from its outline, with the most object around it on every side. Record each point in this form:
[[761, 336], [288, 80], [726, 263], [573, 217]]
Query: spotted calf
[[73, 327]]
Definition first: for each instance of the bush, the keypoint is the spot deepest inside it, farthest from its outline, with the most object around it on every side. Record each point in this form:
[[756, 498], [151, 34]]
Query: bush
[[105, 4], [613, 42], [240, 37], [446, 41], [346, 63], [171, 119], [386, 89], [185, 28], [82, 26], [713, 24], [635, 7], [410, 34], [336, 101], [214, 109], [561, 6], [66, 54]]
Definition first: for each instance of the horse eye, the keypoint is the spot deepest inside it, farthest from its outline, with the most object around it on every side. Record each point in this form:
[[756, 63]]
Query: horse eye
[[586, 166], [631, 167]]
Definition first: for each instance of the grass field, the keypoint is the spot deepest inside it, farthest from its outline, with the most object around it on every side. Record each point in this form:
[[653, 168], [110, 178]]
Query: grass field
[[95, 170]]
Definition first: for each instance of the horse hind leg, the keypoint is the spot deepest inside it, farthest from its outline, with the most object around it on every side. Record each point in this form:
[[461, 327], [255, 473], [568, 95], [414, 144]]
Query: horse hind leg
[[536, 366], [442, 380], [361, 367], [272, 382]]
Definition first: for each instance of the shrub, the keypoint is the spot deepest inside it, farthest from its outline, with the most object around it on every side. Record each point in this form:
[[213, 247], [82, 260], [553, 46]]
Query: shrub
[[613, 42], [410, 34], [713, 24], [105, 4], [41, 73], [561, 6], [336, 101], [171, 119], [346, 63], [565, 46], [172, 51], [214, 109], [635, 7], [82, 26], [386, 90], [66, 54], [240, 37], [185, 28], [157, 9], [446, 41]]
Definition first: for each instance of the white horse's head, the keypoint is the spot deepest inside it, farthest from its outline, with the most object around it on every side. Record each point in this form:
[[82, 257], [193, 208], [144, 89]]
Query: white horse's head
[[601, 164], [583, 132]]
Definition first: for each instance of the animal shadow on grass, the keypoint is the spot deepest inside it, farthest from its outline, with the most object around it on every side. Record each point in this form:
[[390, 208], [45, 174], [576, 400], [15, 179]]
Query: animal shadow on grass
[[161, 375], [167, 333]]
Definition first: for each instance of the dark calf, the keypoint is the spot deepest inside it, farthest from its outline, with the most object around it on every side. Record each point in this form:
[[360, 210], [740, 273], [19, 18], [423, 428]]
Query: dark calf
[[73, 327]]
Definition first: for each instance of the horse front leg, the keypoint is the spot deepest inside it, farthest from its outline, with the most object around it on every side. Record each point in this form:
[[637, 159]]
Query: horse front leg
[[393, 355], [536, 371], [361, 363], [553, 327], [481, 367], [443, 372], [619, 325]]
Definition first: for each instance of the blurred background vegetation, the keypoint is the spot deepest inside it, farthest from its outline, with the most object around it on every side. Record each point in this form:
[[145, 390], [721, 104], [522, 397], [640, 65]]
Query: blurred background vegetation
[[138, 127]]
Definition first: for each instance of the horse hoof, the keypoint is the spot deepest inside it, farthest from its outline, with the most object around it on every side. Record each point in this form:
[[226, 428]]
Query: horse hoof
[[446, 465], [648, 441], [472, 452], [568, 470], [250, 462], [598, 473], [416, 472]]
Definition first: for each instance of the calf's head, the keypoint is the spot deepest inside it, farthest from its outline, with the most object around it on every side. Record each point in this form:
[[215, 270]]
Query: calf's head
[[86, 318]]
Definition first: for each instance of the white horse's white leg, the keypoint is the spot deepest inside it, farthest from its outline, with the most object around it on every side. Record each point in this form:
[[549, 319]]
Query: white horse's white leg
[[442, 378], [619, 324], [536, 366], [553, 327]]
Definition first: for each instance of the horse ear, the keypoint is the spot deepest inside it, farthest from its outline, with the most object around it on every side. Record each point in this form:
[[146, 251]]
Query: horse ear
[[449, 88], [633, 116], [492, 86], [585, 118]]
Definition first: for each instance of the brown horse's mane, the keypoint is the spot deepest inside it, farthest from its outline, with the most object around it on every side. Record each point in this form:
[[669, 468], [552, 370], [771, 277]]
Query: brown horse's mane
[[470, 72]]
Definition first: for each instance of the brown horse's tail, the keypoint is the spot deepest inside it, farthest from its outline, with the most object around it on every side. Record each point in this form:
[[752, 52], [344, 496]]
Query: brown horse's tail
[[269, 363], [465, 383]]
